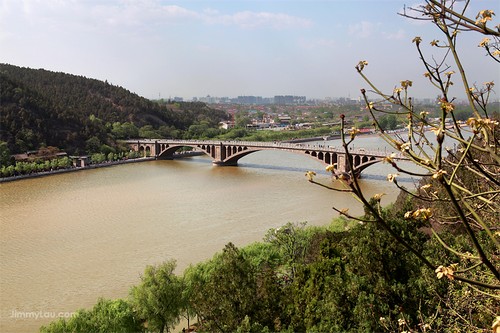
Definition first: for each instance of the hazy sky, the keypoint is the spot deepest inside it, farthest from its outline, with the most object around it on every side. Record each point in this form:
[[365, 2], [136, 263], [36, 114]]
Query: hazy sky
[[230, 47]]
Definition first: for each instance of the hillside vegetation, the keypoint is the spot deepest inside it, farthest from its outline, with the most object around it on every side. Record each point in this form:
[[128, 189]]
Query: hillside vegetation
[[43, 108]]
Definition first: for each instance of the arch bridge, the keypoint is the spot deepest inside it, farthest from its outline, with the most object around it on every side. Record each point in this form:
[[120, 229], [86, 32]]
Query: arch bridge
[[227, 153]]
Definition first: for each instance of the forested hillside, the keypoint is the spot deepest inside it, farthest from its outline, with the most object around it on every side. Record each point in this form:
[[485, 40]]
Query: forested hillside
[[44, 108]]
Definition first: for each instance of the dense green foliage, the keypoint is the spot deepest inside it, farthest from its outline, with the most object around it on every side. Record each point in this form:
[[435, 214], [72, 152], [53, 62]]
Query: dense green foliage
[[106, 316], [25, 168], [78, 114], [21, 168], [158, 299]]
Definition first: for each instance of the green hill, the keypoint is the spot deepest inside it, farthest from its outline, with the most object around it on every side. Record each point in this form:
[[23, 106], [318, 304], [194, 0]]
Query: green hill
[[44, 108]]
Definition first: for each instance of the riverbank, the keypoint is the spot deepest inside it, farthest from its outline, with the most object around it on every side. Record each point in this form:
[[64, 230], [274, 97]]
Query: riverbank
[[93, 166], [317, 138], [338, 136], [74, 169]]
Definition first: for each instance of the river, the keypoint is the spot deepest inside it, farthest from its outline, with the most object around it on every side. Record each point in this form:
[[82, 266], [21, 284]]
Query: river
[[68, 239]]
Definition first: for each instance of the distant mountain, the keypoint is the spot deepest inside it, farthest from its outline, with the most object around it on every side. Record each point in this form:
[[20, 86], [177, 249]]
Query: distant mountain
[[40, 107]]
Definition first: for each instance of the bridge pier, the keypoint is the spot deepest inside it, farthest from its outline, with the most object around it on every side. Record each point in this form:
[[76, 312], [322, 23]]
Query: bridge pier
[[342, 164]]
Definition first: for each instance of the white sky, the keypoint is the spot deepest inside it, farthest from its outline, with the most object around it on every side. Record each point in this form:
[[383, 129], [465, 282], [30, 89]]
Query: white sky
[[229, 48]]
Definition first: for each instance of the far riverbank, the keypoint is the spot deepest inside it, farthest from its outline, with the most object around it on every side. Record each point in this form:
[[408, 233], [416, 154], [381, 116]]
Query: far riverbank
[[74, 169], [145, 159], [92, 166]]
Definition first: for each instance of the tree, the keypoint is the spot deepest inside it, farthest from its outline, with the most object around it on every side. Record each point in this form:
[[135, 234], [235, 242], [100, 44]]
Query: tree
[[198, 130], [93, 145], [97, 158], [148, 132], [242, 119], [63, 162], [291, 241], [105, 149], [187, 310], [168, 132], [388, 122], [130, 130], [158, 299], [105, 316], [223, 291], [354, 277], [4, 154], [460, 188]]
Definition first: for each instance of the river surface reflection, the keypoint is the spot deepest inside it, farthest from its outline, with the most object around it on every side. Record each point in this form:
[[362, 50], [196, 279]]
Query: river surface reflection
[[66, 240]]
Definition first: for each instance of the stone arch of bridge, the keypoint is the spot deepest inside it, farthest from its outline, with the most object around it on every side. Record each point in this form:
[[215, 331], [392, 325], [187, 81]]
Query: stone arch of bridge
[[233, 159], [144, 150], [369, 162], [167, 151], [325, 157], [232, 153], [208, 149]]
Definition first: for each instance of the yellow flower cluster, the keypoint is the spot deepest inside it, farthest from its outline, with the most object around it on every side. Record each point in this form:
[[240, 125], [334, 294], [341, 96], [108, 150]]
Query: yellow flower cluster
[[484, 16], [405, 146], [446, 271], [489, 85], [344, 176], [427, 162], [390, 158], [447, 106], [417, 40], [331, 167], [424, 114], [310, 175], [353, 132], [439, 174], [361, 65], [476, 123], [426, 186], [392, 176], [405, 84], [421, 213], [378, 196], [484, 42]]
